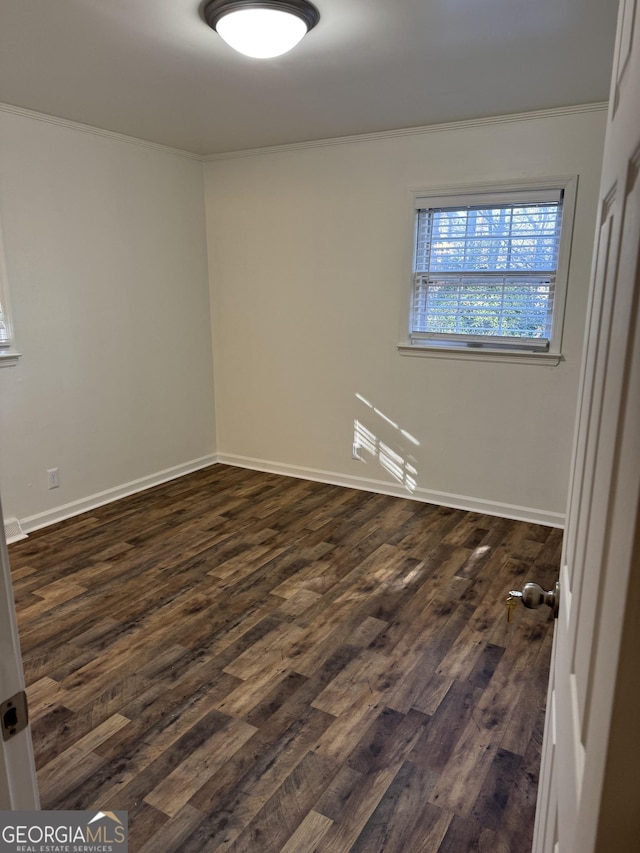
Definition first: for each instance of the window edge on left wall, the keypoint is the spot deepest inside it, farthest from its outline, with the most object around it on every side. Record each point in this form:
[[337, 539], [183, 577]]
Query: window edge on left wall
[[9, 355]]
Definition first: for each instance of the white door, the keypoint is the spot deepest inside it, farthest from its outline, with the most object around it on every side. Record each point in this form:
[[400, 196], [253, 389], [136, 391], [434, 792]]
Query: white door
[[589, 794], [18, 786]]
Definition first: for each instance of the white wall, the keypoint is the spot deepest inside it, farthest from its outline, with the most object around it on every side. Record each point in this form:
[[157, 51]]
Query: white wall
[[107, 266], [308, 249], [308, 258]]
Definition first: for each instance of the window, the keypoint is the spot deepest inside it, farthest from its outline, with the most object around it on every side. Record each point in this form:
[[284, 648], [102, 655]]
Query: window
[[489, 270], [5, 334], [8, 355]]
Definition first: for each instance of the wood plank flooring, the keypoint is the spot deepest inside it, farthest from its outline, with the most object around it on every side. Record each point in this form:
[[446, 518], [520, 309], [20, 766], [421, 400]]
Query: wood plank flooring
[[252, 663]]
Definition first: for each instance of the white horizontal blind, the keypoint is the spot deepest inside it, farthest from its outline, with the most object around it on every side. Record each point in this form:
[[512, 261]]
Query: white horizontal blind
[[5, 337], [485, 273], [6, 331]]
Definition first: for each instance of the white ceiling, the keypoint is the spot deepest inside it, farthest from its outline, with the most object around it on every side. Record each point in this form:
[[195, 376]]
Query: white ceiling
[[153, 69]]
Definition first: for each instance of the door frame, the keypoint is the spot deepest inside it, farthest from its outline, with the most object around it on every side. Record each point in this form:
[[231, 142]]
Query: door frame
[[589, 791], [18, 782]]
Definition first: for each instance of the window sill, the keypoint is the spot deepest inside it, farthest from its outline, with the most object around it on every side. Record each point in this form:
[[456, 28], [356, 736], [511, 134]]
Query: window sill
[[546, 359], [9, 358]]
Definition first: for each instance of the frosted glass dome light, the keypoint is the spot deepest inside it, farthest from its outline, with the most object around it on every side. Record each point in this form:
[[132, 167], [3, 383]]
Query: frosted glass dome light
[[261, 29]]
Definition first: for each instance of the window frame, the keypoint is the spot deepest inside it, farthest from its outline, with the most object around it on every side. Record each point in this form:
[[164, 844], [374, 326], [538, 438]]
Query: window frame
[[488, 192], [8, 354]]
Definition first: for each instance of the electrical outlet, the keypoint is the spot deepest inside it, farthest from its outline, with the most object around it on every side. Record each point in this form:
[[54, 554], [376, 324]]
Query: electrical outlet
[[52, 478], [355, 453]]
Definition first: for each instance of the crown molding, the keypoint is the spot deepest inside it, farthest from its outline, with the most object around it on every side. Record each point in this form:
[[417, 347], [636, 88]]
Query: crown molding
[[97, 131], [556, 112], [509, 118]]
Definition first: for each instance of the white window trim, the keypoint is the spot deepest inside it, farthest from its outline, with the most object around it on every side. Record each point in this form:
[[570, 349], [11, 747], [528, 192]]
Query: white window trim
[[8, 354], [569, 185]]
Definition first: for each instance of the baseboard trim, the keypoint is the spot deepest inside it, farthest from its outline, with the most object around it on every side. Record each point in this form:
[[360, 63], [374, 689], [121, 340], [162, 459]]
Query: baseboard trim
[[60, 513], [519, 513], [16, 530]]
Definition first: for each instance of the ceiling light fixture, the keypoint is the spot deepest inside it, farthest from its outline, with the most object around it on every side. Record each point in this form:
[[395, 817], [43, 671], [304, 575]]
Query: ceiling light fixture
[[261, 28]]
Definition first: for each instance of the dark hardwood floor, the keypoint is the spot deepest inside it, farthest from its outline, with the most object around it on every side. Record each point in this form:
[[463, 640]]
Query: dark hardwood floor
[[252, 663]]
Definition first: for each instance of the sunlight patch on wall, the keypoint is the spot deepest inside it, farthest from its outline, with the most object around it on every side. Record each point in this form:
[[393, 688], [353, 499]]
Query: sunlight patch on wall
[[382, 415], [390, 452]]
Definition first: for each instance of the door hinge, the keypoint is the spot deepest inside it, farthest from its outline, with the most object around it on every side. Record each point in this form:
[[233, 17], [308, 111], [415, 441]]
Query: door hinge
[[14, 715]]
